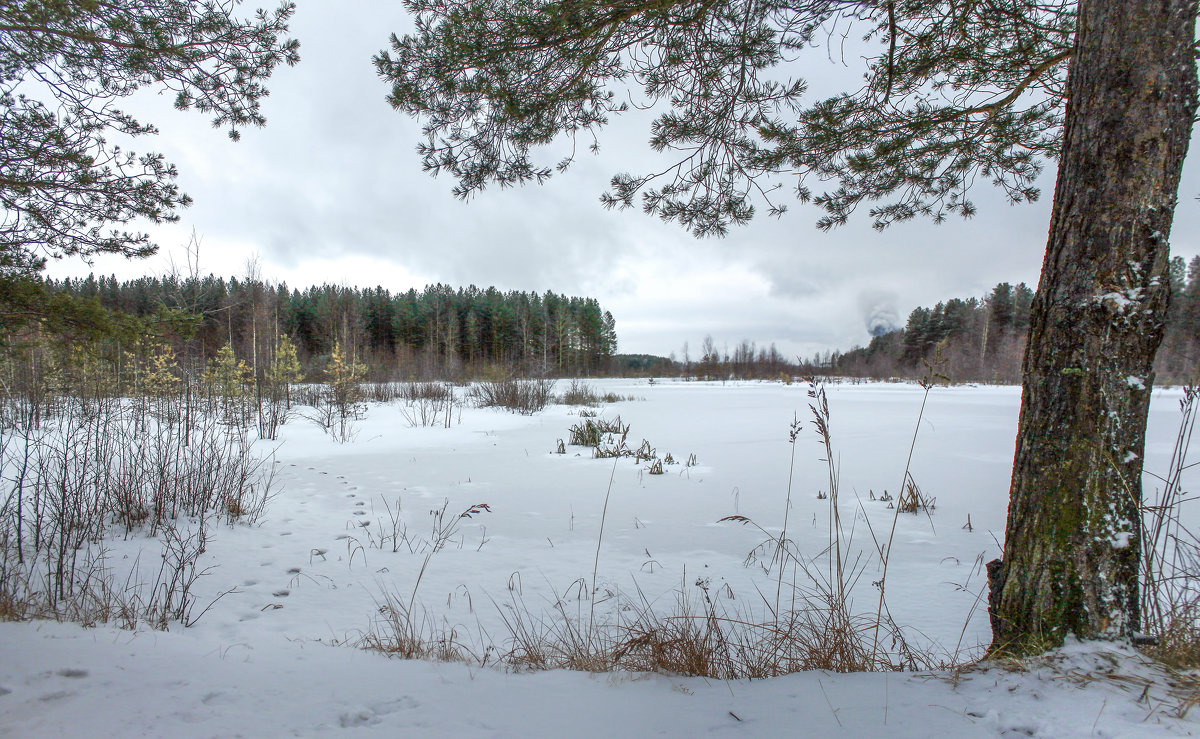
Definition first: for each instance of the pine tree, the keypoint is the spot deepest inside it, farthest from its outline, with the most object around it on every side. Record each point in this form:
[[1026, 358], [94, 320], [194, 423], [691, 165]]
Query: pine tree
[[227, 378], [163, 383], [66, 189], [284, 370], [343, 377]]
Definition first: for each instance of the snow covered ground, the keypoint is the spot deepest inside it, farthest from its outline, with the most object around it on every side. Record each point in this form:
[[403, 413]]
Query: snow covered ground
[[288, 598]]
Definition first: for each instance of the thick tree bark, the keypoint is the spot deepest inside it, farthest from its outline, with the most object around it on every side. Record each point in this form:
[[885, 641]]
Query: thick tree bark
[[1071, 549]]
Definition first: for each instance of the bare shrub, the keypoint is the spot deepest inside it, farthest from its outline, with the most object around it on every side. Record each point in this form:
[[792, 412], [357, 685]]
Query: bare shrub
[[382, 392], [428, 404], [309, 394], [424, 413], [102, 463], [390, 533], [524, 396], [412, 392]]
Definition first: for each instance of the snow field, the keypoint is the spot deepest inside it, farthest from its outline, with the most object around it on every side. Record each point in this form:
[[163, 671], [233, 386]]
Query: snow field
[[317, 570]]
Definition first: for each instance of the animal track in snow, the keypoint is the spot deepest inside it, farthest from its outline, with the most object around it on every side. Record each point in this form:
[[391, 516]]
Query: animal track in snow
[[374, 713], [354, 719]]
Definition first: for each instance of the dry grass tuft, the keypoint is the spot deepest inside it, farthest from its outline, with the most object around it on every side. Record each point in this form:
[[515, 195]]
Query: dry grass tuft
[[1177, 643], [399, 632], [579, 393]]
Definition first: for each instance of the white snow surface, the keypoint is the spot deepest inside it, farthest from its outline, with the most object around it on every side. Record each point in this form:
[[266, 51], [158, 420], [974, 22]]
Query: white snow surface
[[275, 655]]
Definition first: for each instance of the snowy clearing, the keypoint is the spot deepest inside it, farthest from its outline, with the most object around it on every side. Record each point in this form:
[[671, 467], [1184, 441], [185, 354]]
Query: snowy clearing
[[349, 527]]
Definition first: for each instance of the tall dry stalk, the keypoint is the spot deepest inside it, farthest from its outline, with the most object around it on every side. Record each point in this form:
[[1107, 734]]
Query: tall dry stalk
[[885, 551], [793, 432], [599, 540], [1170, 551]]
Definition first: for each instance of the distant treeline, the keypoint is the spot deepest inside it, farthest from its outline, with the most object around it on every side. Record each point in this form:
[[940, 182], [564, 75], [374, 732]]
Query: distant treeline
[[438, 332], [966, 339], [443, 332], [962, 339], [983, 340], [744, 361]]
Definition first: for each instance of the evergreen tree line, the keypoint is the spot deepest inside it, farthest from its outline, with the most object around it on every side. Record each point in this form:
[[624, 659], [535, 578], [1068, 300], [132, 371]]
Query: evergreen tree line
[[439, 332], [967, 339], [983, 339]]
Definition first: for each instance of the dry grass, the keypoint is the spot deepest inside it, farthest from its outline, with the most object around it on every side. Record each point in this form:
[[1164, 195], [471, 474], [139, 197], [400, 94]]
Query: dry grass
[[578, 393], [912, 500], [399, 632], [404, 629], [1170, 556], [701, 633], [1177, 643], [702, 637], [599, 432], [807, 623]]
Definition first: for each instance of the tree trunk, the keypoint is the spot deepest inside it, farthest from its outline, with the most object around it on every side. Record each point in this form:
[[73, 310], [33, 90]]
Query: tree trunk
[[1071, 550]]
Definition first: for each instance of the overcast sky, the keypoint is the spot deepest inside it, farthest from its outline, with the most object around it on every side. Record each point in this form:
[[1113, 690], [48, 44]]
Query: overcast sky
[[331, 191]]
